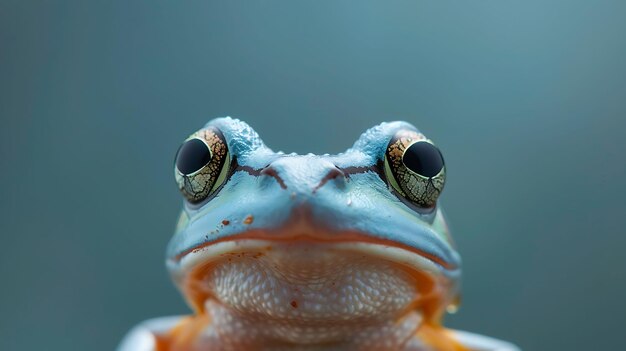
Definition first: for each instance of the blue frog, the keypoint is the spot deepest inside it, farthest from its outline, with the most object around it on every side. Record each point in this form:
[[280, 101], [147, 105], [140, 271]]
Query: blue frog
[[279, 251]]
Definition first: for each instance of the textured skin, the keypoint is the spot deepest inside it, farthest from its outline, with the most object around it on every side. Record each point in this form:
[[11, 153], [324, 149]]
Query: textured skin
[[307, 252], [311, 294]]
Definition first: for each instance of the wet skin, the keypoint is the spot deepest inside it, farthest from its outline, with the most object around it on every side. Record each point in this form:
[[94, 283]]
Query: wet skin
[[281, 251]]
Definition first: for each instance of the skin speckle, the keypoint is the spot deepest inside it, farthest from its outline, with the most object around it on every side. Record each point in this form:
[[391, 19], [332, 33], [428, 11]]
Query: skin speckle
[[294, 304], [248, 220], [225, 222]]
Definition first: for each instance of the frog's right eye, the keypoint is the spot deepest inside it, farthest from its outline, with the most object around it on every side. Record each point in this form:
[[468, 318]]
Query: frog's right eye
[[202, 164]]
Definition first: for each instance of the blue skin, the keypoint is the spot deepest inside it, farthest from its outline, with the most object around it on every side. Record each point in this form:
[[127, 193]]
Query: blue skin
[[375, 209]]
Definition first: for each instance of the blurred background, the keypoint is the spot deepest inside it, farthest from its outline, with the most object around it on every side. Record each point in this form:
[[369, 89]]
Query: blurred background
[[527, 100]]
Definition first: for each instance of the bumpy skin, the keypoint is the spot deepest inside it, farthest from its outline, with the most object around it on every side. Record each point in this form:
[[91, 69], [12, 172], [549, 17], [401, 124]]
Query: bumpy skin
[[310, 252]]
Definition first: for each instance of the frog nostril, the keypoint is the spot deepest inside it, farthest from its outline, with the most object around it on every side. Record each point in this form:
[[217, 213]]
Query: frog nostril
[[333, 173], [271, 172]]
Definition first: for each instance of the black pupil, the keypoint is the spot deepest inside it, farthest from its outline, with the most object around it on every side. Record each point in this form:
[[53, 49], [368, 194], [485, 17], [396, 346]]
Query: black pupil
[[423, 158], [192, 156]]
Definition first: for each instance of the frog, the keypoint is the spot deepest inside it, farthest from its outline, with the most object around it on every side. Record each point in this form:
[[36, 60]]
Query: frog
[[286, 252]]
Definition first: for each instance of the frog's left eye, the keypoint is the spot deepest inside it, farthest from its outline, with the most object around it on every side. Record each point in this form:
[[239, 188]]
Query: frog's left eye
[[202, 163], [414, 167]]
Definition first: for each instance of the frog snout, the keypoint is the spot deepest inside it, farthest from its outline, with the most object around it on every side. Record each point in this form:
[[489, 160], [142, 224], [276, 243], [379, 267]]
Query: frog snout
[[304, 174]]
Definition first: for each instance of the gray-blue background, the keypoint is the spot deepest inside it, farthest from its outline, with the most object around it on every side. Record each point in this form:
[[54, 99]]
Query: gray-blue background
[[527, 100]]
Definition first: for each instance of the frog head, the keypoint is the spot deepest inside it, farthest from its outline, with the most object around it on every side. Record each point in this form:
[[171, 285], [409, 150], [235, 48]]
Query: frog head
[[313, 238]]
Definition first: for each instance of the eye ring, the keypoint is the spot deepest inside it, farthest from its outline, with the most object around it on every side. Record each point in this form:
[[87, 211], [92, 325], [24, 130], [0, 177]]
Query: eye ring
[[201, 164], [414, 168]]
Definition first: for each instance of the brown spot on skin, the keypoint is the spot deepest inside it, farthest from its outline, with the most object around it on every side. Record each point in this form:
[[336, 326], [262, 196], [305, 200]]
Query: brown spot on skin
[[226, 222], [294, 304], [248, 169], [248, 220], [355, 170]]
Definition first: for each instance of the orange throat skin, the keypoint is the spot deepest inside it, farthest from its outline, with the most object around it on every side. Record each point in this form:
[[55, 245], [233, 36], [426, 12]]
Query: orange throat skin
[[290, 266]]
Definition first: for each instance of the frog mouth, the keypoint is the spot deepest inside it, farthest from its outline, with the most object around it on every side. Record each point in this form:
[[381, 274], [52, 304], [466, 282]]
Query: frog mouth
[[194, 270], [379, 247]]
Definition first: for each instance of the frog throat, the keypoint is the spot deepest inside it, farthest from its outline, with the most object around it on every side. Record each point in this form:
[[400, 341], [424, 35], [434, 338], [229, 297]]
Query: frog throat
[[229, 271]]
